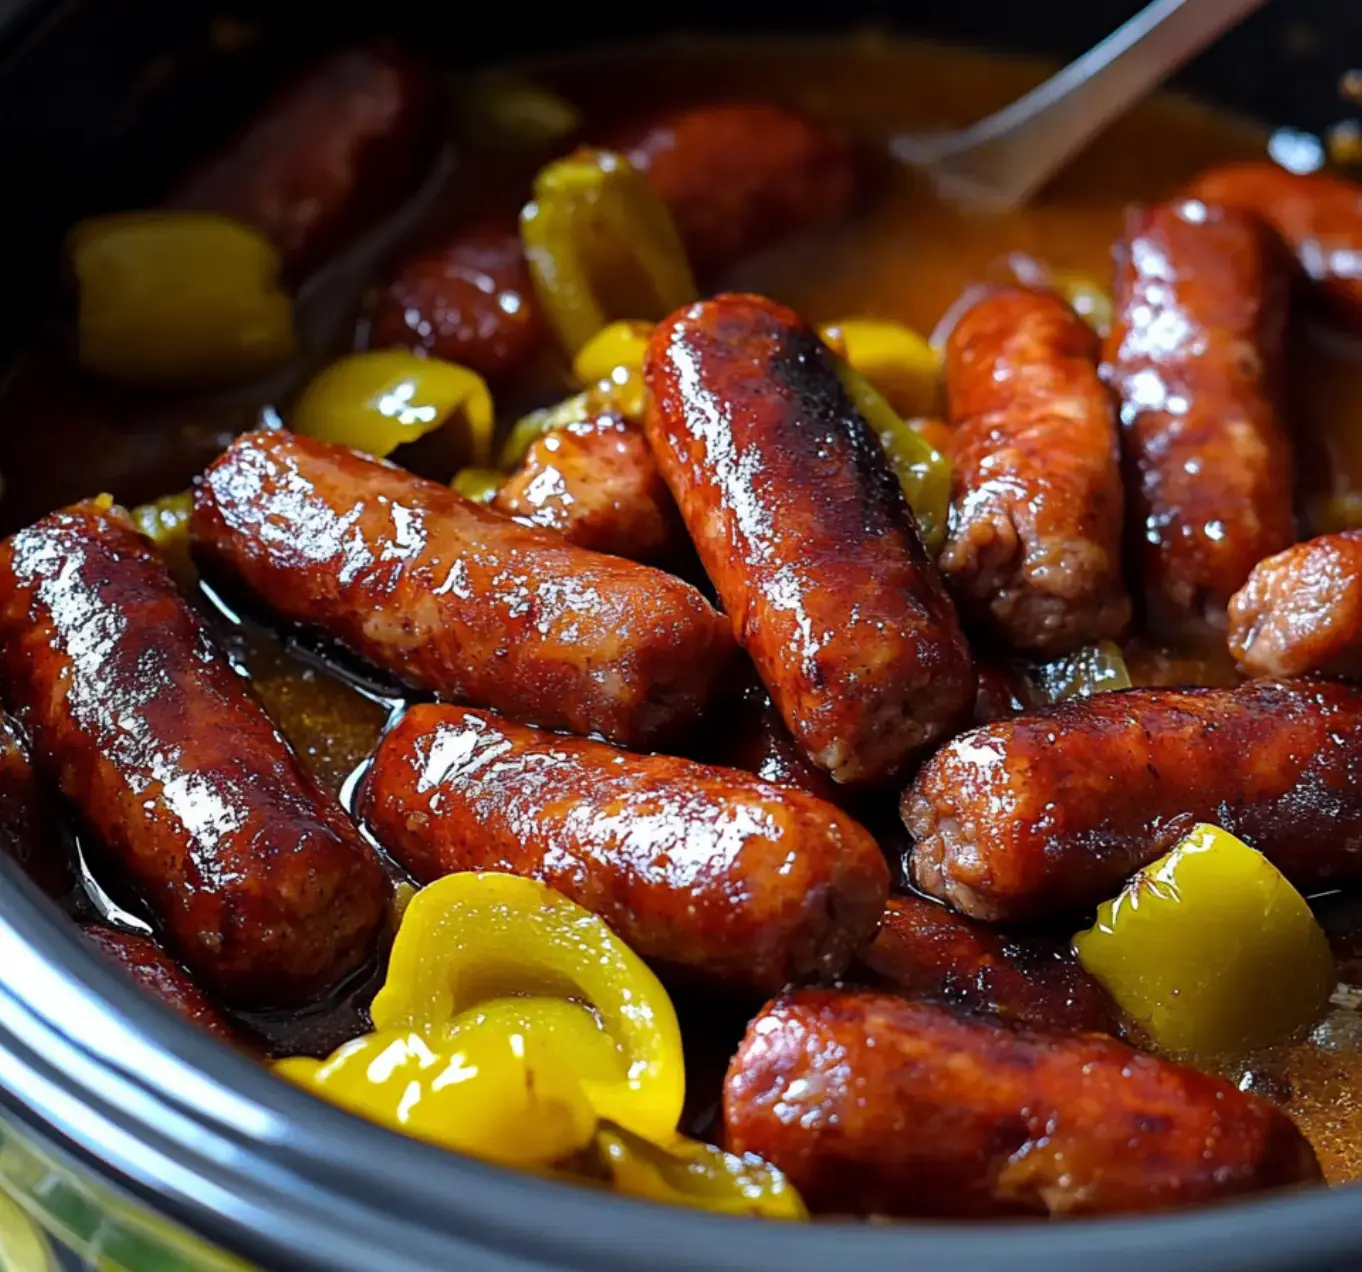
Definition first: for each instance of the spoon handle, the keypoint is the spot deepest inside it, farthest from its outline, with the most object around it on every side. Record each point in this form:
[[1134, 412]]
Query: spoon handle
[[1004, 158]]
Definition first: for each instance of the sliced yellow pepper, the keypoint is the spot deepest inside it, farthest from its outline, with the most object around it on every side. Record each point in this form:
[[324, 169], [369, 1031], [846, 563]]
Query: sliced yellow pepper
[[894, 358], [1098, 668], [469, 938], [597, 229], [166, 523], [687, 1172], [1089, 301], [377, 401], [1210, 950], [178, 300], [478, 484], [923, 471], [499, 1096], [619, 345]]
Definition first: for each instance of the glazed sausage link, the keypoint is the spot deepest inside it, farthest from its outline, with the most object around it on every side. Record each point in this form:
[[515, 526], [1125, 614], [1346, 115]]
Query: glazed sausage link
[[874, 1105], [806, 536], [29, 831], [1301, 611], [256, 877], [703, 868], [1034, 548], [456, 598], [1050, 812], [926, 951], [1196, 358]]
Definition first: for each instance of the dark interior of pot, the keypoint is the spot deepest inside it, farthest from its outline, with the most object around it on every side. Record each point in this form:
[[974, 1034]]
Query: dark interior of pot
[[1009, 870]]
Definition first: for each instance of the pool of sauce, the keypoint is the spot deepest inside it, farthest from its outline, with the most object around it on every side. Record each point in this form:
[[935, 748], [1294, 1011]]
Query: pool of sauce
[[907, 256]]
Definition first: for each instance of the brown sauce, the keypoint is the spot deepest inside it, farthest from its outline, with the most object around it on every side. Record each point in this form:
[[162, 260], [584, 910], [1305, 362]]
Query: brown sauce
[[905, 256]]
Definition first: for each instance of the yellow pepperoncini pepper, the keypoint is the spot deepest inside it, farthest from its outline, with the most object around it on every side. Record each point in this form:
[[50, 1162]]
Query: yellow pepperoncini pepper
[[923, 471], [1089, 301], [376, 401], [594, 230], [507, 111], [478, 484], [531, 427], [611, 362], [687, 1172], [1098, 668], [1210, 950], [894, 358], [178, 300], [166, 523]]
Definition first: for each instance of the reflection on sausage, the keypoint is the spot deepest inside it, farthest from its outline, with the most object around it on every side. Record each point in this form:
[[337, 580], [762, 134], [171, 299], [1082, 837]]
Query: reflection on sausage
[[874, 1105], [1050, 812], [705, 868], [341, 145], [1318, 214], [596, 483], [1195, 356], [258, 880], [926, 951], [806, 536], [456, 598], [161, 977], [1301, 611], [28, 824], [1034, 548]]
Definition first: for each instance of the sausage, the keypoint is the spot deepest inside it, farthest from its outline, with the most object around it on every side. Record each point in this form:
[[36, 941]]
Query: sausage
[[753, 737], [257, 879], [466, 299], [1034, 548], [925, 951], [1301, 611], [458, 599], [806, 536], [329, 155], [1049, 813], [596, 483], [1195, 356], [1001, 691], [703, 868], [739, 176], [1318, 214], [874, 1105], [29, 831], [158, 975]]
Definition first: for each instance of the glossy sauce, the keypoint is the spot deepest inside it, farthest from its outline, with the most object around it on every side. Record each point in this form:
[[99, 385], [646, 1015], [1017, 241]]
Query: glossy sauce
[[905, 256]]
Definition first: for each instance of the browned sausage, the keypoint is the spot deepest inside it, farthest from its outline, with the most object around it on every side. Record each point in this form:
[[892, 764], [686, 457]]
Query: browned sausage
[[926, 951], [1301, 611], [1050, 812], [751, 736], [161, 977], [1195, 356], [806, 536], [705, 868], [738, 176], [467, 299], [1002, 690], [1319, 215], [596, 483], [1034, 550], [337, 148], [456, 598], [28, 823], [257, 878], [874, 1105]]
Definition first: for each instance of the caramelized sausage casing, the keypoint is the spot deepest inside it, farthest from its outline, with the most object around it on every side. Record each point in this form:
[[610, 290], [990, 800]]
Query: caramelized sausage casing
[[738, 176], [1050, 812], [456, 598], [28, 824], [467, 299], [596, 483], [704, 868], [926, 951], [160, 976], [874, 1105], [806, 535], [1034, 548], [256, 877], [1318, 214], [1301, 611], [1195, 356]]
